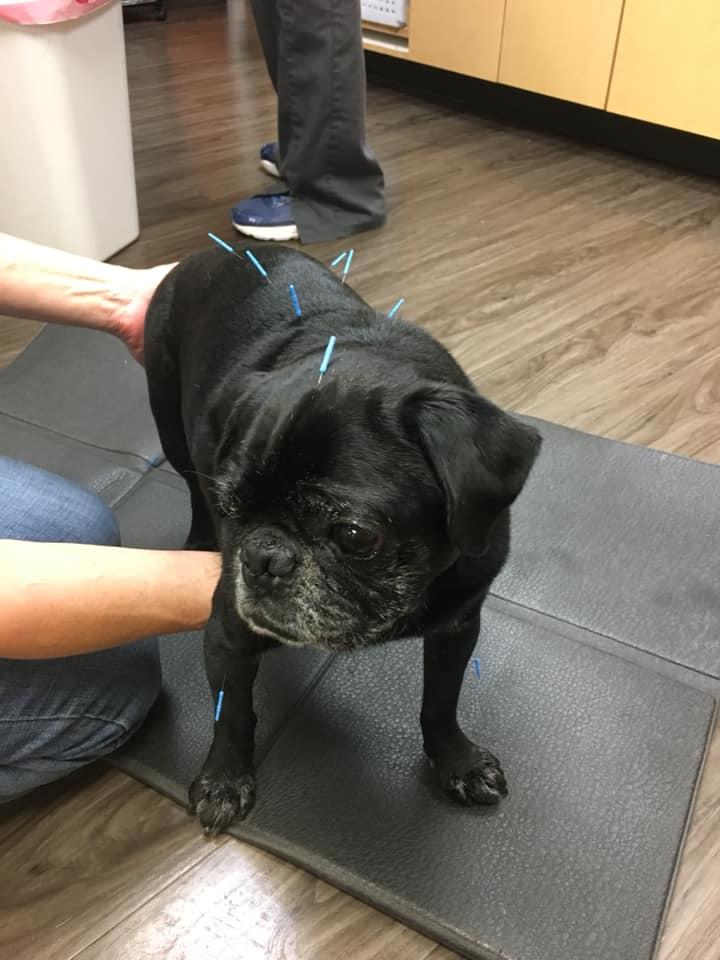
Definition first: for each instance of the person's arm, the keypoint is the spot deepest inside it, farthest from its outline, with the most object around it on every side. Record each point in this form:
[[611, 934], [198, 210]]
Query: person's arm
[[39, 283], [59, 599]]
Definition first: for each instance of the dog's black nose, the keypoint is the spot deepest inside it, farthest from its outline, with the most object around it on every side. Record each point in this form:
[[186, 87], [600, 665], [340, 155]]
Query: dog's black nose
[[267, 556]]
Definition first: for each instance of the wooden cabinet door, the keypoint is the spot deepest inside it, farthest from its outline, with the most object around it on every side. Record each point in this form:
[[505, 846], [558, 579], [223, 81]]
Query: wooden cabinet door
[[563, 48], [459, 35], [667, 68]]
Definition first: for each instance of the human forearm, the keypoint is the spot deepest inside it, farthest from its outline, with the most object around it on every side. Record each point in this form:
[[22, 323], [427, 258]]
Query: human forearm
[[40, 283], [59, 599]]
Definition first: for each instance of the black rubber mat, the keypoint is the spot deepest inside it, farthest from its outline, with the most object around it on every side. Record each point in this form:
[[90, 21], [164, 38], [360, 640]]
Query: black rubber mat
[[84, 385], [110, 475], [602, 757], [622, 540], [156, 513]]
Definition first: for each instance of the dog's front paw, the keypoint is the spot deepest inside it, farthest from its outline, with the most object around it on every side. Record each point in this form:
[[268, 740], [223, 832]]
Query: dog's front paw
[[471, 776], [218, 799]]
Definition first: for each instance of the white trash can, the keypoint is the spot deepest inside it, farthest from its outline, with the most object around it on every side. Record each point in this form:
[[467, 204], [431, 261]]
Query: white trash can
[[67, 177]]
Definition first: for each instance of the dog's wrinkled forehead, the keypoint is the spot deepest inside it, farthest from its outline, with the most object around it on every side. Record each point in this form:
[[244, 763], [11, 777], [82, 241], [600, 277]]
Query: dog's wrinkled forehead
[[335, 438]]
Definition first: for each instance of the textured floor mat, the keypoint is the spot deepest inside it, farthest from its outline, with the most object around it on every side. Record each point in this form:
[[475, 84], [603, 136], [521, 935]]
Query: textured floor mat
[[622, 540], [84, 385], [602, 757], [111, 476]]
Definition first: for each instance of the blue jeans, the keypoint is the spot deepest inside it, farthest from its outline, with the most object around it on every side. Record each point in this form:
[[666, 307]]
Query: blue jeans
[[58, 715]]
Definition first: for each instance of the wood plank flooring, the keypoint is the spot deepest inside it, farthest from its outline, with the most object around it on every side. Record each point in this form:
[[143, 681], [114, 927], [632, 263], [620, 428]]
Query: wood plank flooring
[[573, 283]]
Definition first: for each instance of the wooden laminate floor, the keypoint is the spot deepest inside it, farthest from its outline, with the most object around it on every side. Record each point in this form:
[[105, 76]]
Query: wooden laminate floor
[[573, 283]]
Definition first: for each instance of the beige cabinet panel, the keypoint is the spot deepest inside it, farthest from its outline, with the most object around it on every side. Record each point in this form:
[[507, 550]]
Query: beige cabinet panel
[[667, 68], [459, 35], [563, 48]]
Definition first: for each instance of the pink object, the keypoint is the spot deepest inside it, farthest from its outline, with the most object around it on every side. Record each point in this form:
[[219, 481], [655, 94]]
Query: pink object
[[35, 12]]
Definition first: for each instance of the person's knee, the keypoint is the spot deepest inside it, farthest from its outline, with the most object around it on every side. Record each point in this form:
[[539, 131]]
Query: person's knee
[[139, 685], [38, 505], [75, 711], [129, 688], [98, 524]]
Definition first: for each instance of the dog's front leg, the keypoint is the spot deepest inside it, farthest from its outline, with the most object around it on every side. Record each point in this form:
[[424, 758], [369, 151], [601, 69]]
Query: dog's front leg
[[465, 771], [225, 788]]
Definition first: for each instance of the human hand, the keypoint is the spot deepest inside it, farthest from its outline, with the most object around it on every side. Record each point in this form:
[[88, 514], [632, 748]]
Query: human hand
[[129, 319]]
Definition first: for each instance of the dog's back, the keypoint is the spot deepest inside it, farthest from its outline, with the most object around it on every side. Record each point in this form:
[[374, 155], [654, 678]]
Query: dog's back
[[216, 313]]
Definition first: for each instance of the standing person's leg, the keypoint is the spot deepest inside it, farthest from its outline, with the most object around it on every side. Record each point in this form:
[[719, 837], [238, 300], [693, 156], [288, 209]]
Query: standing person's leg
[[58, 715], [267, 21], [315, 58]]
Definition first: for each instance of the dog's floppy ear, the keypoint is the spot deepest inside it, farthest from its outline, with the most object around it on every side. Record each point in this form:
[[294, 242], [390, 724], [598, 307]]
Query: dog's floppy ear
[[481, 456]]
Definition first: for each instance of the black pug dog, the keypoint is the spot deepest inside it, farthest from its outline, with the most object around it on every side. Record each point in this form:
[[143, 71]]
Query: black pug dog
[[366, 507]]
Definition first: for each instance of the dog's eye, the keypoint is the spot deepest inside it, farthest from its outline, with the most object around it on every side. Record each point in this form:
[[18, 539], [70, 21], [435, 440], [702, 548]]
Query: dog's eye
[[356, 540]]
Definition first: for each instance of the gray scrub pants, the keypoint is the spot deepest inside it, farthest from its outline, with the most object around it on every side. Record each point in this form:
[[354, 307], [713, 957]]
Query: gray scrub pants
[[313, 50]]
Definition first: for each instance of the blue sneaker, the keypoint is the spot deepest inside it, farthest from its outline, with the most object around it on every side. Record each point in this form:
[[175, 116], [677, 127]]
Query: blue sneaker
[[267, 216], [270, 159]]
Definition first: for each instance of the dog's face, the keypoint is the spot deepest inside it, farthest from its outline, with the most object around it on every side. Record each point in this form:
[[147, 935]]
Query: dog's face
[[340, 504]]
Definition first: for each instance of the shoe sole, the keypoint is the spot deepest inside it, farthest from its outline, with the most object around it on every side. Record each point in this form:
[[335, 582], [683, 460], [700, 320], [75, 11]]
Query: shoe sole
[[271, 168], [287, 232]]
